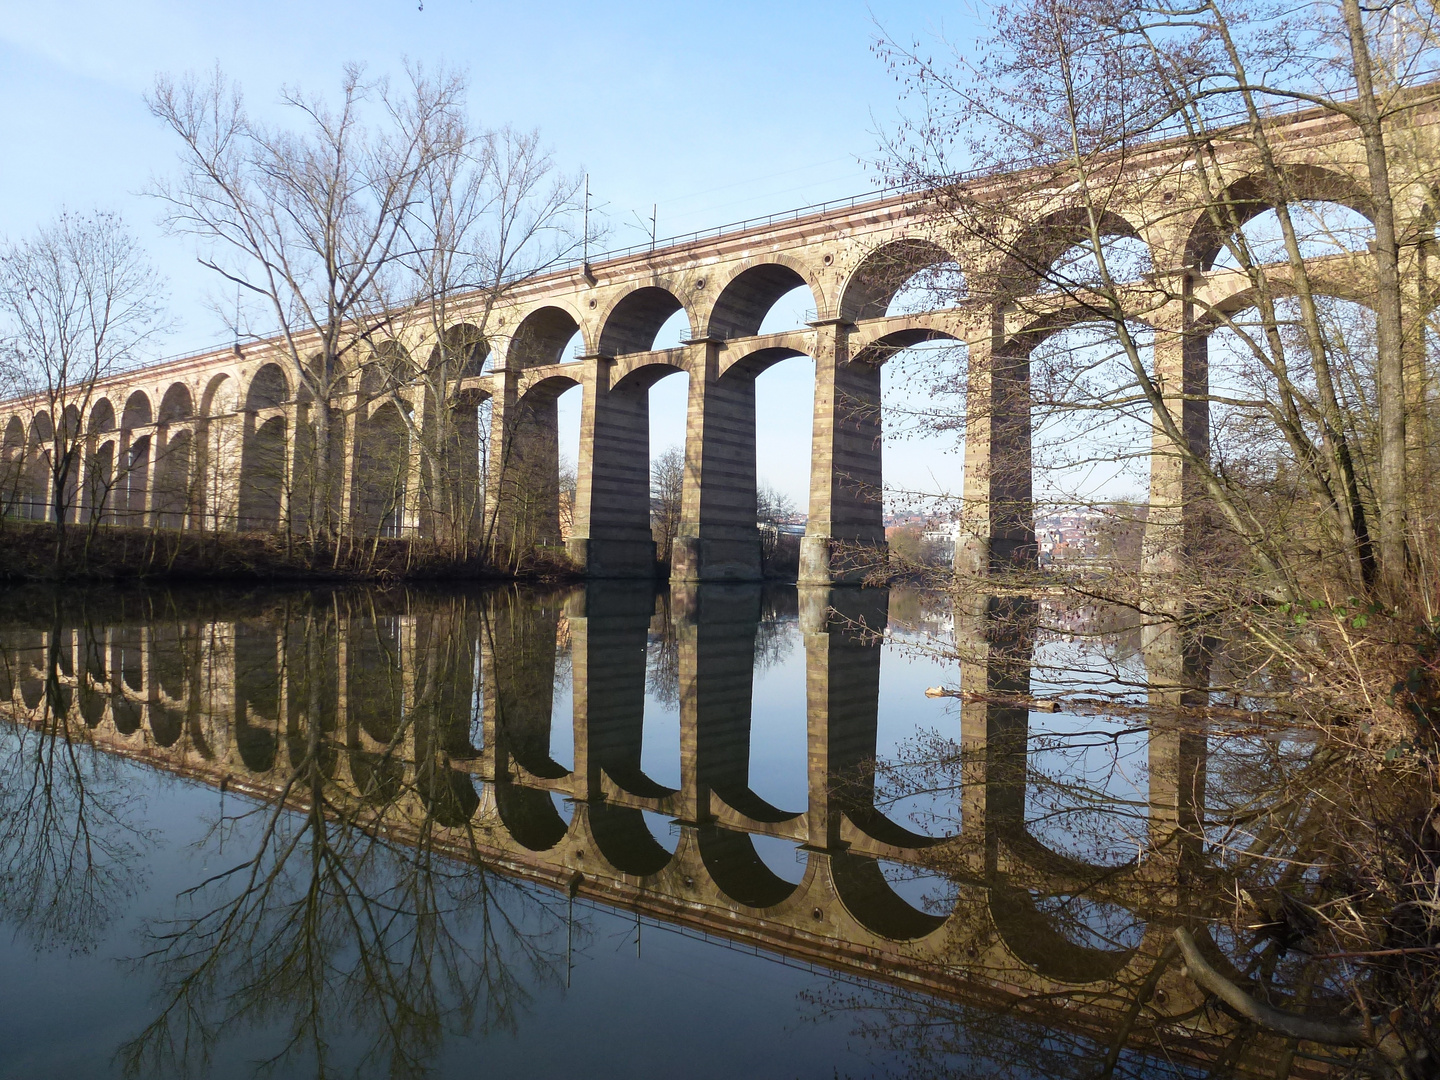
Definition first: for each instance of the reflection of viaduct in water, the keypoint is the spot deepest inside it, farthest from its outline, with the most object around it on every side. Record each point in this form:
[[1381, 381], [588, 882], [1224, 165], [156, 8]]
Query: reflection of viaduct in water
[[236, 698]]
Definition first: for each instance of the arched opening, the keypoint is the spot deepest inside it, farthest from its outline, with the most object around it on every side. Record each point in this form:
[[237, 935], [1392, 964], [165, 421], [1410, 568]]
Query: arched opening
[[918, 272], [646, 319], [133, 487], [1123, 258], [536, 497], [919, 439], [269, 389], [257, 696], [1091, 441], [172, 500], [1329, 212], [382, 472], [868, 895], [544, 337], [1263, 362], [762, 299], [1058, 254], [38, 480], [1071, 938], [14, 490], [218, 450], [175, 405], [1321, 229], [95, 499]]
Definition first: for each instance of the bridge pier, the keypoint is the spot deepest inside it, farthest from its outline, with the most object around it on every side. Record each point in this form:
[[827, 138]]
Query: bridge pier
[[1182, 373], [845, 533], [717, 539], [610, 536], [997, 528]]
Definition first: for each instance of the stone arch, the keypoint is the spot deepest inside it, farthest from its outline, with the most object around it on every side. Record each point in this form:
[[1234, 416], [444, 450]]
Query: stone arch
[[218, 396], [100, 446], [171, 501], [1033, 256], [751, 292], [749, 365], [137, 412], [1253, 194], [621, 836], [635, 319], [466, 347], [529, 815], [879, 350], [37, 468], [1032, 939], [13, 477], [884, 271], [269, 388], [541, 337], [388, 368], [177, 404], [102, 417]]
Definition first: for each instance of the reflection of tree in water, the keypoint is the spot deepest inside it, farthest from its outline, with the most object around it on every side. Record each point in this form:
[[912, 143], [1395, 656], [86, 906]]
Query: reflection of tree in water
[[775, 639], [925, 1038], [70, 840], [352, 917]]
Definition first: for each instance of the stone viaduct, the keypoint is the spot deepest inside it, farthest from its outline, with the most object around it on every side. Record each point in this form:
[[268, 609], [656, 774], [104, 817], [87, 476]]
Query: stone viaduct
[[210, 441], [437, 716]]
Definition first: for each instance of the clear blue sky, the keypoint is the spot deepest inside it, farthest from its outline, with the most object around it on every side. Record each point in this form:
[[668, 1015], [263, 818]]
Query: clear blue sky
[[715, 112]]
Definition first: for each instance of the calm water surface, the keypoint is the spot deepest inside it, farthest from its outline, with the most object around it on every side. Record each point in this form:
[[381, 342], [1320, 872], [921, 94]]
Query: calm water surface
[[711, 832]]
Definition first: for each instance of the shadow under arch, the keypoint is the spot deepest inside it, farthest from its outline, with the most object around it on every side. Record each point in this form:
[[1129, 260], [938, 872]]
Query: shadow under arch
[[884, 272], [1033, 940], [1250, 196], [530, 817], [747, 298], [861, 886], [621, 835], [738, 871], [635, 320], [177, 404], [268, 389], [541, 337], [465, 348]]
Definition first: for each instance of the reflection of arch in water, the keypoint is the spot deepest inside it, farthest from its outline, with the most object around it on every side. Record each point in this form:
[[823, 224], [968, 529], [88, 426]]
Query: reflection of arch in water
[[167, 724], [621, 835], [1033, 939], [378, 778], [868, 897], [529, 815], [448, 795], [736, 868]]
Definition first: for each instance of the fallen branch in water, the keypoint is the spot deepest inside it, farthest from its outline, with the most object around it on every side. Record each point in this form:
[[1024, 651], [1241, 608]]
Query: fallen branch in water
[[1354, 1033]]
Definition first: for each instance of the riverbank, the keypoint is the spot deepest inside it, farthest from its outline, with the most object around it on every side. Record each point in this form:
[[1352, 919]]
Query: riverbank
[[28, 554]]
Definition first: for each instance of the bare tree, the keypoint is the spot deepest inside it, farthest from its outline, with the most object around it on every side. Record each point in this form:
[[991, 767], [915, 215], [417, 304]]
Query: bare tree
[[79, 301], [491, 215], [667, 478], [1074, 90], [309, 222]]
